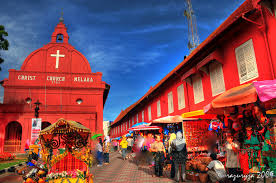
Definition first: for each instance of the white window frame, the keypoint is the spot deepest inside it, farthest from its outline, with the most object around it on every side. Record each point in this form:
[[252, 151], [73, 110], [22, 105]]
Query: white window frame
[[149, 113], [143, 116], [216, 78], [198, 88], [137, 118], [181, 97], [158, 107], [170, 103], [245, 57]]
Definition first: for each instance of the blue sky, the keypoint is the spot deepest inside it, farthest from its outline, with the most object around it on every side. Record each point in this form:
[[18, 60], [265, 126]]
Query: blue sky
[[133, 43]]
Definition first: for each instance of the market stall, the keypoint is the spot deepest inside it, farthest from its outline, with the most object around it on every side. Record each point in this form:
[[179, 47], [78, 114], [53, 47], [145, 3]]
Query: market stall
[[66, 153], [244, 112], [194, 128]]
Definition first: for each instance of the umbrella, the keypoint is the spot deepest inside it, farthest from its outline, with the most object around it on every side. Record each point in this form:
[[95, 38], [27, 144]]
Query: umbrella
[[243, 94], [128, 135], [144, 127], [117, 138], [141, 123], [96, 136]]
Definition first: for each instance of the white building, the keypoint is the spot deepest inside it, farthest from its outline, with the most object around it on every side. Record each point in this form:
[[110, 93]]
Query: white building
[[106, 125]]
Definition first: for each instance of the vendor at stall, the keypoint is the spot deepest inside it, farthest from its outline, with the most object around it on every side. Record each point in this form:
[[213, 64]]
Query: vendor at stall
[[252, 145], [232, 161], [215, 169]]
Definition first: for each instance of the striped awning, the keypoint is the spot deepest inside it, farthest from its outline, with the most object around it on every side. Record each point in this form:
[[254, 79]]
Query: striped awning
[[143, 128]]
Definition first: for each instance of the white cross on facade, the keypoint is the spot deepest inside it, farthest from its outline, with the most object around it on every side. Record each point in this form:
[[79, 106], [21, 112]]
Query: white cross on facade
[[57, 58]]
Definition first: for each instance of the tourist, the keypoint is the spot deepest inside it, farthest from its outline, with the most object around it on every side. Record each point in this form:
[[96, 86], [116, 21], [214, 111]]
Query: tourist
[[148, 141], [129, 144], [123, 145], [215, 169], [232, 161], [99, 149], [115, 145], [179, 156], [159, 151], [106, 149], [172, 137]]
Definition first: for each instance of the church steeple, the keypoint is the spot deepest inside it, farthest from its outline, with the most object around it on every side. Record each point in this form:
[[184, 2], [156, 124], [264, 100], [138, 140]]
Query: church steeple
[[60, 34], [61, 17]]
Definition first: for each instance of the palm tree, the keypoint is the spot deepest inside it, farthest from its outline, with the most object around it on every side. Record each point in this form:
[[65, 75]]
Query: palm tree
[[4, 44]]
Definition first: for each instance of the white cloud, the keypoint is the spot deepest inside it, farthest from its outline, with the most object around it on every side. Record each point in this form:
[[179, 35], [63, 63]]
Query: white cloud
[[22, 39]]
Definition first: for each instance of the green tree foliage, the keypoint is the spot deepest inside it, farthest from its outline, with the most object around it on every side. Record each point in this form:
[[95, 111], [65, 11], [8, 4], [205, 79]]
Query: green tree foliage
[[4, 44]]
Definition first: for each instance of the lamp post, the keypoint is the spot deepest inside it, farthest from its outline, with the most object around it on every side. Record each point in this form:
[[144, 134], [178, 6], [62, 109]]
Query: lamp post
[[37, 103]]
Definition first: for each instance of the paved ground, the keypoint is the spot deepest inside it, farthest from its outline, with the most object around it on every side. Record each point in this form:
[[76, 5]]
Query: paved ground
[[118, 171], [126, 171]]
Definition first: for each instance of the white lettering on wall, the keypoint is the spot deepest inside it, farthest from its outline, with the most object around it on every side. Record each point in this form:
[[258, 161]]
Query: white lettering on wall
[[55, 79], [25, 77], [83, 79]]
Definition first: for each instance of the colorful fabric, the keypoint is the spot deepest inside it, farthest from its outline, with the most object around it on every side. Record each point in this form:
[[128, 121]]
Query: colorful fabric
[[244, 162], [68, 163], [266, 89]]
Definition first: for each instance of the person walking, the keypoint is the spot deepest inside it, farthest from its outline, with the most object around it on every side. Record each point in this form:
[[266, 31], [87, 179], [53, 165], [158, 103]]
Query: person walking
[[106, 150], [179, 156], [129, 144], [99, 149], [123, 145], [115, 145], [172, 137], [159, 151]]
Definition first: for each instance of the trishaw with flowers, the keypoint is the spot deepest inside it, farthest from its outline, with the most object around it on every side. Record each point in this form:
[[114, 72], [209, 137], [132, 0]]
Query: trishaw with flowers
[[65, 151]]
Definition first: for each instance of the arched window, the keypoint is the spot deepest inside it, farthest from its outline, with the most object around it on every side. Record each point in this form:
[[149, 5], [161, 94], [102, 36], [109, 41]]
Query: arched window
[[59, 38]]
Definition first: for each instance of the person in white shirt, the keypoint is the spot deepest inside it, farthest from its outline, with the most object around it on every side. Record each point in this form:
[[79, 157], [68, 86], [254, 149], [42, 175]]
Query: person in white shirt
[[216, 170]]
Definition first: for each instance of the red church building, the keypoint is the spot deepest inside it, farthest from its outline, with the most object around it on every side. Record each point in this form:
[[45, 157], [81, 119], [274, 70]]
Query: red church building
[[241, 50], [60, 78]]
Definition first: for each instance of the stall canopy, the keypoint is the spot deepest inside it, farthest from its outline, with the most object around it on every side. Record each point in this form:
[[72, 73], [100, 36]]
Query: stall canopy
[[199, 114], [169, 119], [143, 128], [173, 119], [243, 94], [63, 126]]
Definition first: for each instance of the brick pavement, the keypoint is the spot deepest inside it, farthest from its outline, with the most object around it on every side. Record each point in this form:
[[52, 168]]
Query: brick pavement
[[126, 171]]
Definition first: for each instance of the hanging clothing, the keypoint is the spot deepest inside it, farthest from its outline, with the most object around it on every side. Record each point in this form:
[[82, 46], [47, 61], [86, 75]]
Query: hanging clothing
[[215, 125], [232, 160], [244, 162]]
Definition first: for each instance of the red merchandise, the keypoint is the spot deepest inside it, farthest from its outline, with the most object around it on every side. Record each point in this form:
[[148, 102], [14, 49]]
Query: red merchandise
[[243, 156]]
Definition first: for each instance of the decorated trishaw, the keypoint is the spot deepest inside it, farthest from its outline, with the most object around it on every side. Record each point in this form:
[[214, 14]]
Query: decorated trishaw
[[65, 152]]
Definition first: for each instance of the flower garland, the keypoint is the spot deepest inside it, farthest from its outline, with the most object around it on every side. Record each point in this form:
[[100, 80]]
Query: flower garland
[[71, 174]]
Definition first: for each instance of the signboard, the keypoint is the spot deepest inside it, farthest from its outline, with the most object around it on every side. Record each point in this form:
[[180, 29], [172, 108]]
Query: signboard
[[36, 127]]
